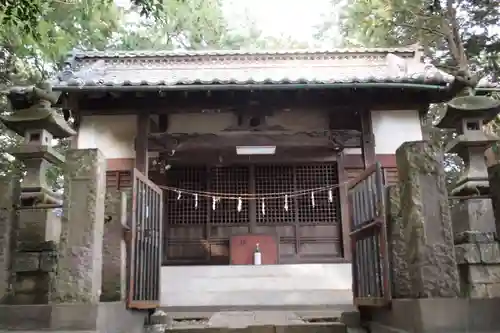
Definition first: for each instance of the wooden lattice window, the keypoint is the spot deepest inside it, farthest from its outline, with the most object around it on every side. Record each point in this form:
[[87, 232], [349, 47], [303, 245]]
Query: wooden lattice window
[[317, 176], [183, 211], [275, 179], [198, 235], [229, 180]]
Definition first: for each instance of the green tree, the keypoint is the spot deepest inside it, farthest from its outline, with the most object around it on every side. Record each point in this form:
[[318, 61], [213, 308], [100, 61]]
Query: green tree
[[27, 15], [194, 25], [27, 58], [457, 35], [461, 37], [37, 35]]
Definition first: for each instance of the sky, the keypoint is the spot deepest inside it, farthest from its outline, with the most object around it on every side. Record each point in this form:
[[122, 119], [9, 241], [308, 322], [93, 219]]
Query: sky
[[293, 18]]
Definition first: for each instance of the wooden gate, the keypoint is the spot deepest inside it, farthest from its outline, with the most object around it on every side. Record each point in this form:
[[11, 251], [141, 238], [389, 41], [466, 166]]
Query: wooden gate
[[145, 244], [370, 257]]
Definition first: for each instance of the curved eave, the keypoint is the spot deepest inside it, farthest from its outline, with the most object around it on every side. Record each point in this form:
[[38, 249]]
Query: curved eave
[[255, 86]]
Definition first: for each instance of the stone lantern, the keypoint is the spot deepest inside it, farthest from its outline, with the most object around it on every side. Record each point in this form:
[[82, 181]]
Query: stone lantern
[[34, 118], [472, 216], [467, 115], [35, 245]]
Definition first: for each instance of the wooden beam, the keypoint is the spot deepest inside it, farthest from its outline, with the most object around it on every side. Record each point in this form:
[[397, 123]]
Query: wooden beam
[[141, 143], [367, 138], [229, 157], [264, 101], [335, 140]]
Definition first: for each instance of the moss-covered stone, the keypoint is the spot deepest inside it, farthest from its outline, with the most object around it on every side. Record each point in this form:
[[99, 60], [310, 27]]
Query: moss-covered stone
[[114, 256], [79, 272], [9, 197], [492, 156], [425, 220], [397, 242]]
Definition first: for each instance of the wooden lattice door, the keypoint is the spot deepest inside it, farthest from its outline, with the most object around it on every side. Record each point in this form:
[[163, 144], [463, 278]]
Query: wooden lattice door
[[146, 244], [370, 255]]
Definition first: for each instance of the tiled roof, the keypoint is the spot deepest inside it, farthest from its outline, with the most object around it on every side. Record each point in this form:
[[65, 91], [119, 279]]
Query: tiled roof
[[166, 69], [150, 53]]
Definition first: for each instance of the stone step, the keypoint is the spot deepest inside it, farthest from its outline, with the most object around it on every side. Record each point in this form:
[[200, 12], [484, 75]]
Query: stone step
[[324, 320]]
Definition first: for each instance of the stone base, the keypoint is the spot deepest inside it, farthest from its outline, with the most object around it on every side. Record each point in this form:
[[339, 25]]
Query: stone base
[[478, 259], [473, 215], [433, 315], [102, 317], [254, 322]]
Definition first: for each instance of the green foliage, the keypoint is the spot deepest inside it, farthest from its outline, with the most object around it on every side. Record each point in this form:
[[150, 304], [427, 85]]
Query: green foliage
[[31, 49], [37, 35], [456, 35], [453, 33]]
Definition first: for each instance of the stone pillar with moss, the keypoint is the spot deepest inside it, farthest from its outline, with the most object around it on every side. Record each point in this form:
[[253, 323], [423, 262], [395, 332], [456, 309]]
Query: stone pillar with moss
[[114, 247], [423, 237], [492, 156], [477, 248], [37, 230], [79, 270]]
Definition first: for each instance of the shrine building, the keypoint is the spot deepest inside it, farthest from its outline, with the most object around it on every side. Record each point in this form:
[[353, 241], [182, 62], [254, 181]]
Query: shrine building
[[248, 148]]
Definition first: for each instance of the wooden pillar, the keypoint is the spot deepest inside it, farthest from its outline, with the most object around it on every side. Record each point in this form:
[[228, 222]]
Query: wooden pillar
[[141, 143], [367, 138], [344, 206], [71, 104], [422, 114]]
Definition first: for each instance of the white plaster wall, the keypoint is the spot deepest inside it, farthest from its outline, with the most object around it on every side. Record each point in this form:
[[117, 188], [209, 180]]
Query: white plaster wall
[[200, 122], [267, 285], [210, 122], [300, 120], [392, 128], [353, 151], [113, 135]]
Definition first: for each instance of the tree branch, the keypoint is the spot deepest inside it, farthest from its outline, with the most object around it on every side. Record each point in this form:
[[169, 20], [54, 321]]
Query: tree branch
[[453, 35], [429, 30]]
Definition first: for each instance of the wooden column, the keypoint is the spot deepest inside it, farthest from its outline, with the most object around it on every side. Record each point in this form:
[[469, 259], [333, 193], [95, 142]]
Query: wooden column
[[252, 204], [367, 138], [422, 114], [71, 103], [344, 206], [141, 143]]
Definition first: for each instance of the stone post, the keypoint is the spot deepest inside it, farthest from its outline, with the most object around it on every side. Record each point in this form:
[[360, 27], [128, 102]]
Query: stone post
[[37, 229], [425, 221], [401, 281], [8, 200], [492, 156], [79, 271], [477, 249], [114, 246]]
